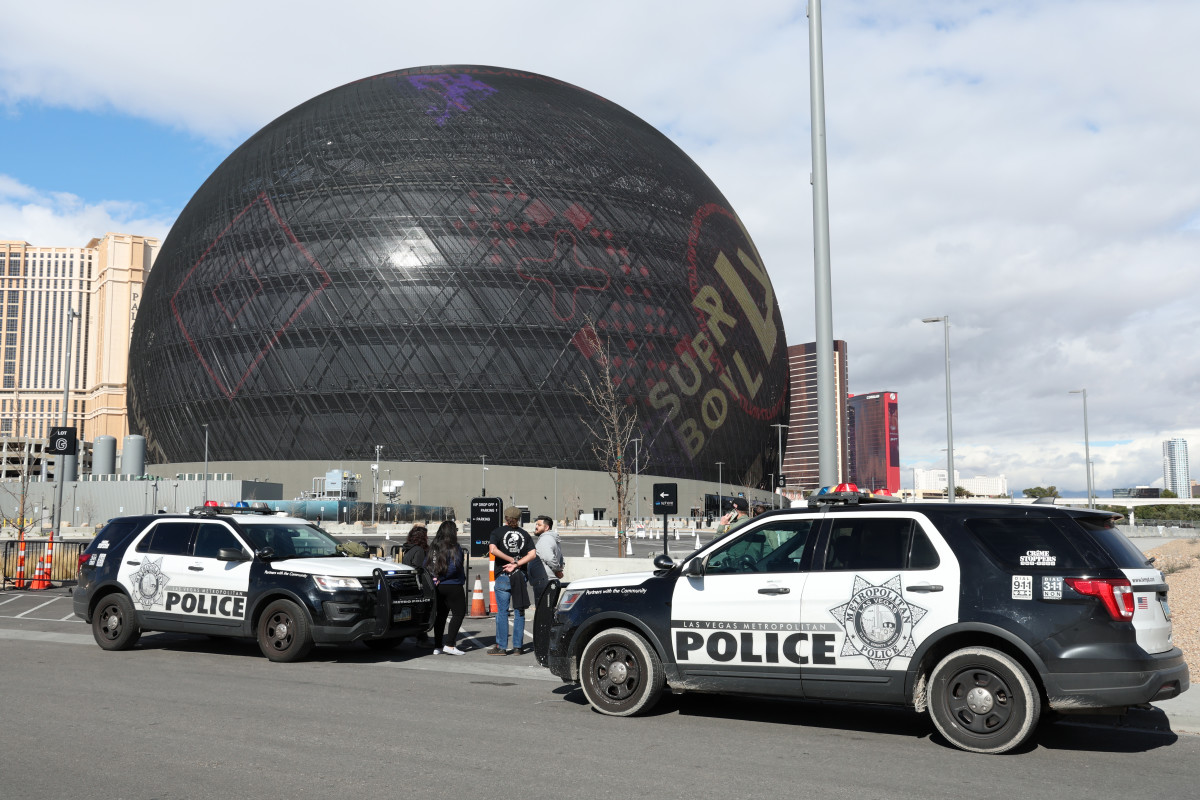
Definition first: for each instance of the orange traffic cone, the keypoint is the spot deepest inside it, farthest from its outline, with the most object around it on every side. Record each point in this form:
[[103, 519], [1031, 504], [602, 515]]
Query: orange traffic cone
[[40, 576], [477, 609]]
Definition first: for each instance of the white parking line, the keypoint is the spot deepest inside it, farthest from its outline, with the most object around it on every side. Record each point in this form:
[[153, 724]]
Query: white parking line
[[69, 617], [14, 597], [35, 608]]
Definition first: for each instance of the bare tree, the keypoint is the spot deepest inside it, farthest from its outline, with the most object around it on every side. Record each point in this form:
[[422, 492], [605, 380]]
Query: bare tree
[[18, 495], [609, 420]]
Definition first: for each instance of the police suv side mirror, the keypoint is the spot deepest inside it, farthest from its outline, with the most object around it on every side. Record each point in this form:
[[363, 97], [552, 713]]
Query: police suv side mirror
[[663, 564], [694, 568], [232, 554]]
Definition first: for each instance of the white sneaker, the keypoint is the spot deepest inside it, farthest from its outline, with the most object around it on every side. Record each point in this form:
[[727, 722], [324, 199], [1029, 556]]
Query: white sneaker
[[437, 651], [453, 651]]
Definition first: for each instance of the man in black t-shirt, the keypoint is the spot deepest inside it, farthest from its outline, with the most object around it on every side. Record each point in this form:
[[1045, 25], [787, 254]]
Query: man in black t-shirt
[[513, 548]]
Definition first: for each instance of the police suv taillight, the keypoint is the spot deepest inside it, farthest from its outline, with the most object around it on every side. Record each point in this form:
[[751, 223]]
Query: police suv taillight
[[569, 598], [1115, 593]]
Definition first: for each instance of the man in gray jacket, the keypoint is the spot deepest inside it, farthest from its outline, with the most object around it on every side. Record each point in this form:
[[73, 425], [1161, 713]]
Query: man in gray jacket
[[549, 551]]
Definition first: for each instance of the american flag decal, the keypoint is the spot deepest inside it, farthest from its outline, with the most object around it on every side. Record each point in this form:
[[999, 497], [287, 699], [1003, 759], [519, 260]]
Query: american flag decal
[[1143, 602]]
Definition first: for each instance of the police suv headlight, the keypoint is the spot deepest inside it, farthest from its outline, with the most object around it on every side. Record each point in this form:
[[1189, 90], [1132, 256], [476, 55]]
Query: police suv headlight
[[569, 598], [331, 583]]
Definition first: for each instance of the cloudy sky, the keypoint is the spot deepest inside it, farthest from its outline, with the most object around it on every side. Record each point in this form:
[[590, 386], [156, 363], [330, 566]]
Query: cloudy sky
[[1031, 169]]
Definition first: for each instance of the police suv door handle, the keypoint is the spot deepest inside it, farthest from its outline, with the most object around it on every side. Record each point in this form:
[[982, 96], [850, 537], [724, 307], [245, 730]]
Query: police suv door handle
[[925, 587], [196, 569], [774, 590]]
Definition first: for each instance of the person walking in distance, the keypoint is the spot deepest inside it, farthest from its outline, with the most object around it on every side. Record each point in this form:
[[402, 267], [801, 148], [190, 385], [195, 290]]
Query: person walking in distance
[[549, 563], [445, 564], [513, 548]]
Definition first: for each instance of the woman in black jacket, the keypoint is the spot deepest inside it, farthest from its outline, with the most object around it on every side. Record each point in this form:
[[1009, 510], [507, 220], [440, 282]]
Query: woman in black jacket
[[415, 550]]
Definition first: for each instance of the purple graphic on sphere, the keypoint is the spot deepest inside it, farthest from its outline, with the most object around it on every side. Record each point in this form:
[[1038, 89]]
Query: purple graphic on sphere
[[457, 93]]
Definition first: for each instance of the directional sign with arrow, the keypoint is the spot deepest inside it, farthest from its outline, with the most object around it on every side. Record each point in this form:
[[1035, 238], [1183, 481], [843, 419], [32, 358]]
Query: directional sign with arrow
[[666, 498]]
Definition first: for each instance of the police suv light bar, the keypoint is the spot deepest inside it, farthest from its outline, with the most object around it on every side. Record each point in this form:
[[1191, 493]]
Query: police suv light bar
[[847, 494]]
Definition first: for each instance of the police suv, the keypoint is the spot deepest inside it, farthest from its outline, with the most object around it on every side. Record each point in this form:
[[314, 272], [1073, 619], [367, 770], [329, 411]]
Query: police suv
[[244, 572], [984, 615]]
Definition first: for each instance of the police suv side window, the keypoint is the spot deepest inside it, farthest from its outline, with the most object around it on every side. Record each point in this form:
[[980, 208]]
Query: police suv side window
[[878, 543], [168, 538], [210, 538], [775, 547]]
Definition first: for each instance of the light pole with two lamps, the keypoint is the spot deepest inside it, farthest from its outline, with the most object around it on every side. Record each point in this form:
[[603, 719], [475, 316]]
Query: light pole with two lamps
[[205, 426]]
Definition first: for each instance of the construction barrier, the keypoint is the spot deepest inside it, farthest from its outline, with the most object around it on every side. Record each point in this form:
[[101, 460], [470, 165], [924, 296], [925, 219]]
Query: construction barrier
[[61, 567]]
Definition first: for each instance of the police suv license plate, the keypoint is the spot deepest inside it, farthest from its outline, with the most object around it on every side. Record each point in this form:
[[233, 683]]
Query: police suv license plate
[[402, 614]]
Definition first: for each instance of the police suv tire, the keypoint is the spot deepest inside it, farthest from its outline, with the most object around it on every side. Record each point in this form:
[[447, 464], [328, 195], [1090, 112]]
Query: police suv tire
[[620, 673], [983, 701], [283, 632], [114, 623]]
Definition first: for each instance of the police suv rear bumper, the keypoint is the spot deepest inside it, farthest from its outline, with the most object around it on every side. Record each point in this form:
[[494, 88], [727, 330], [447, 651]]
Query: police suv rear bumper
[[1166, 676]]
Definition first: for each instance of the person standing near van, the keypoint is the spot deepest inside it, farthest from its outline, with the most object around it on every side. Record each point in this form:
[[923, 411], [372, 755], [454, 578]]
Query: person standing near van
[[445, 564], [550, 560], [513, 548]]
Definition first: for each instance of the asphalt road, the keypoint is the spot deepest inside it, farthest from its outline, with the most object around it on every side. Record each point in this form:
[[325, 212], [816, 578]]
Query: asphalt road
[[181, 717]]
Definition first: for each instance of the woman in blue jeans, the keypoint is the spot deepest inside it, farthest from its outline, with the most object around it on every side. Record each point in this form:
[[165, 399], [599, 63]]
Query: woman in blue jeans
[[445, 563]]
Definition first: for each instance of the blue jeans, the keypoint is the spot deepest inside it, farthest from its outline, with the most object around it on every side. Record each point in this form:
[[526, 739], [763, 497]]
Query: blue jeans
[[503, 601]]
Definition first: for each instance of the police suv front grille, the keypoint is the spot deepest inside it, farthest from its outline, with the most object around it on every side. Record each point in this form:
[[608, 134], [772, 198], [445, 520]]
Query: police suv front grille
[[404, 583]]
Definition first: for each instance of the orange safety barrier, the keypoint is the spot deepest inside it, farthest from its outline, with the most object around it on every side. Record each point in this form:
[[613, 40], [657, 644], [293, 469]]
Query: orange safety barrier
[[477, 608], [20, 582]]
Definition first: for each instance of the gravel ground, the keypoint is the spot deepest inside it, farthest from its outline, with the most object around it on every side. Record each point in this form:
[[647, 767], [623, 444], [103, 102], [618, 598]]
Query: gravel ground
[[1180, 559]]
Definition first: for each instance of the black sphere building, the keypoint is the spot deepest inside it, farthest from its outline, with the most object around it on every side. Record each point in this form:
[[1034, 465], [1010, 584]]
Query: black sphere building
[[433, 260]]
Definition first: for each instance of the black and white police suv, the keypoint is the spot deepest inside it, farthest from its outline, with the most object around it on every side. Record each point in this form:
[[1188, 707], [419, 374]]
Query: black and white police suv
[[246, 573], [982, 614]]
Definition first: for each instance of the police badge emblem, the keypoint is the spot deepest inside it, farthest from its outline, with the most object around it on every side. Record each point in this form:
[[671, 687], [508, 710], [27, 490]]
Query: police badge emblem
[[149, 583], [878, 622]]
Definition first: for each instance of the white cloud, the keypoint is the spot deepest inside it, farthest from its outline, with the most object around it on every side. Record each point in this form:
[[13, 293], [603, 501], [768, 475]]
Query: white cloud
[[1027, 167], [60, 219]]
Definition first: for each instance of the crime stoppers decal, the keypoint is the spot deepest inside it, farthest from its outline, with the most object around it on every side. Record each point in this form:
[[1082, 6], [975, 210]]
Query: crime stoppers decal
[[878, 622]]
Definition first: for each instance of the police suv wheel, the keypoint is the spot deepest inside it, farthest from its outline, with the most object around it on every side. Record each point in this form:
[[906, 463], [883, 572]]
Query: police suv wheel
[[983, 701], [283, 632], [114, 624], [620, 673]]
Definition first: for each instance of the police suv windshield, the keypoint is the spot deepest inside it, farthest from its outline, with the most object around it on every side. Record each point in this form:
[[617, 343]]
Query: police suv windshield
[[292, 540]]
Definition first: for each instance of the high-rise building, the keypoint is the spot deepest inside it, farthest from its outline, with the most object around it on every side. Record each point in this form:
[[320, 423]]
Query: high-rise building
[[801, 460], [101, 282], [873, 428], [1176, 475]]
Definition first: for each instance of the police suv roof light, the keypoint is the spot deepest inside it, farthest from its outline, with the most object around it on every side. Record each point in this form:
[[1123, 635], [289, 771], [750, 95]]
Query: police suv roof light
[[847, 494]]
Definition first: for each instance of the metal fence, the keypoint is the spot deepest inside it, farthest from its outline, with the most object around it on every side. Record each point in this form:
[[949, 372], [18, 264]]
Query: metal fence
[[64, 568]]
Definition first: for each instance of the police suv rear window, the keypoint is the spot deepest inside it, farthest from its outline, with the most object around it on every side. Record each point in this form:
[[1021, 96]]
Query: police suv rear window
[[1124, 552], [1026, 543], [112, 534]]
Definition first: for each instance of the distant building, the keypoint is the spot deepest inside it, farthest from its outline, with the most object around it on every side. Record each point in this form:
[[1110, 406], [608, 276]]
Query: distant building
[[102, 282], [801, 462], [932, 483], [1176, 475], [1138, 491], [873, 431]]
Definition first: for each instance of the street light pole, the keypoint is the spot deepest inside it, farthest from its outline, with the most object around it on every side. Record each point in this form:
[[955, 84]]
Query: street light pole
[[483, 492], [720, 490], [779, 426], [637, 493], [205, 426], [60, 462], [1087, 446], [556, 493], [945, 320]]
